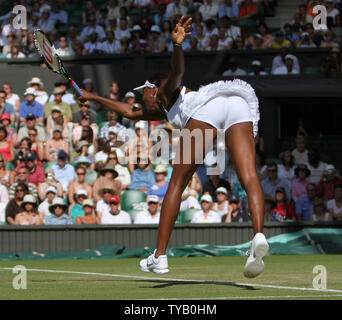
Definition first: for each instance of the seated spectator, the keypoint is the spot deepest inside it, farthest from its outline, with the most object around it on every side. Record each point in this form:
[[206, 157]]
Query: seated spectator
[[330, 178], [15, 52], [289, 66], [335, 205], [45, 23], [122, 31], [329, 40], [190, 194], [22, 177], [30, 106], [50, 181], [210, 28], [13, 207], [94, 45], [152, 214], [290, 35], [67, 97], [258, 69], [304, 205], [267, 37], [36, 146], [37, 84], [89, 216], [201, 37], [123, 174], [64, 172], [300, 153], [58, 215], [284, 209], [206, 215], [315, 165], [222, 204], [286, 168], [111, 45], [230, 9], [29, 215], [298, 185], [175, 8], [142, 177], [305, 41], [320, 211], [43, 209], [112, 122], [213, 183], [76, 206], [36, 172], [269, 205], [209, 9], [332, 62], [224, 42], [58, 93], [156, 42], [272, 182], [64, 49], [7, 177], [114, 215], [84, 110], [57, 119], [5, 107], [79, 184], [107, 177], [11, 97], [86, 164], [235, 211], [234, 69], [3, 201], [31, 123], [92, 27], [55, 144], [261, 166], [86, 132], [258, 42], [160, 187], [280, 61]]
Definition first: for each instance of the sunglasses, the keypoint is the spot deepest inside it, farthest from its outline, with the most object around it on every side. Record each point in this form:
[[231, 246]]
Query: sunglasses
[[80, 173], [19, 190], [113, 158]]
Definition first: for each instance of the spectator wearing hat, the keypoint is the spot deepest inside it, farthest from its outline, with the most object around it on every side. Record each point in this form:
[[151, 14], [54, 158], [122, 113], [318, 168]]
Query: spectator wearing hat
[[156, 42], [43, 208], [280, 61], [55, 144], [30, 124], [206, 215], [114, 215], [29, 215], [64, 172], [57, 119], [13, 207], [76, 206], [41, 95], [272, 182], [105, 192], [79, 183], [130, 98], [258, 41], [58, 93], [222, 204], [123, 173], [320, 212], [142, 177], [152, 214], [305, 41], [58, 215], [289, 66], [258, 69], [213, 183], [304, 205], [5, 120], [67, 97], [108, 176], [329, 179], [31, 106], [298, 185], [84, 109], [5, 107], [332, 62], [45, 23], [89, 216], [280, 41], [160, 187], [235, 212], [82, 150], [284, 209], [50, 181], [87, 164], [36, 172]]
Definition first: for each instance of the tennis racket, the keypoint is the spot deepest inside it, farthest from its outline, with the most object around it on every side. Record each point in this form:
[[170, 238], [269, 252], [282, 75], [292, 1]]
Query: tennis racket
[[51, 59]]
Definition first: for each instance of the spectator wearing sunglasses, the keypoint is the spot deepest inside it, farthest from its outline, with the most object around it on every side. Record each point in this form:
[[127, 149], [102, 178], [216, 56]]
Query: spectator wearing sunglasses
[[14, 205]]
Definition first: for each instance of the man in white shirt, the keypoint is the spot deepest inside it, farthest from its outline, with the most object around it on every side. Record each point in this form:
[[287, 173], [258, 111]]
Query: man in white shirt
[[89, 29], [279, 61], [209, 10], [122, 31], [206, 215], [174, 8], [93, 46], [111, 214], [288, 68], [111, 45], [43, 208], [64, 50], [152, 214]]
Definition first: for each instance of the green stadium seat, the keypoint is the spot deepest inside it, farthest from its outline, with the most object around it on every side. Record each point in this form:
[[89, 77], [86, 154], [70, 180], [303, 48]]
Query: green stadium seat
[[186, 215], [310, 70], [10, 166], [131, 197], [133, 213]]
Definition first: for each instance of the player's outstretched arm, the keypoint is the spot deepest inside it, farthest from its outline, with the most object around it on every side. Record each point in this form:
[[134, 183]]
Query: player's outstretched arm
[[124, 109], [179, 34]]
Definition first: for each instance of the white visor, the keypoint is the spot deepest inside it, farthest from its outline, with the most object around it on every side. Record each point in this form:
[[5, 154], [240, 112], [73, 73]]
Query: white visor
[[146, 84]]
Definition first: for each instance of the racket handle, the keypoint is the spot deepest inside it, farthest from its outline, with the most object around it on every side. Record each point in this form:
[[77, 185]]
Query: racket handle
[[76, 87]]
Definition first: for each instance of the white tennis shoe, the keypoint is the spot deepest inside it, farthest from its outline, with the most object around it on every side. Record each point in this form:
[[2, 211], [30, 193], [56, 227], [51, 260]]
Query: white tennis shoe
[[157, 265], [255, 264]]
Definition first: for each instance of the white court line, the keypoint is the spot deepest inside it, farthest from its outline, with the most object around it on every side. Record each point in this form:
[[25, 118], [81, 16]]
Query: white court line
[[180, 280]]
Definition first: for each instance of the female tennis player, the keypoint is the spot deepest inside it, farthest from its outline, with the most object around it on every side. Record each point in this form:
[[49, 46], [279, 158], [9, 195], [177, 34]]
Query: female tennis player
[[229, 105]]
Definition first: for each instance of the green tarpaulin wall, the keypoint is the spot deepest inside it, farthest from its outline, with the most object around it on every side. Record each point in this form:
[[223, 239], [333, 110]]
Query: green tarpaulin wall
[[306, 241]]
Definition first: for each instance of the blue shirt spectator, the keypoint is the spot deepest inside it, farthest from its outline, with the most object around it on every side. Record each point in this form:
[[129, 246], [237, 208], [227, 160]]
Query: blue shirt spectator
[[159, 191], [64, 172], [228, 8], [30, 106], [142, 179], [54, 220], [304, 205]]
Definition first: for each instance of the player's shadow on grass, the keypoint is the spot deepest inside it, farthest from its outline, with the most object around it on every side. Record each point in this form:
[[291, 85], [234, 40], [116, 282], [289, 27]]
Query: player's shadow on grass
[[169, 283]]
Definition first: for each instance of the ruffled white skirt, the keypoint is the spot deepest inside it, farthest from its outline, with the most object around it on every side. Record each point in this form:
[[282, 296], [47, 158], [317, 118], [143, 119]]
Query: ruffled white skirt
[[221, 104]]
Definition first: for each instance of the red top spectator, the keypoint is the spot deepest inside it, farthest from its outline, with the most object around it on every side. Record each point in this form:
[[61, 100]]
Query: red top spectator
[[36, 172], [326, 185], [248, 10]]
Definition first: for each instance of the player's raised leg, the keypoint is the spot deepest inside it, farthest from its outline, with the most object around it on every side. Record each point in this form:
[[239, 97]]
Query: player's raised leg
[[240, 142]]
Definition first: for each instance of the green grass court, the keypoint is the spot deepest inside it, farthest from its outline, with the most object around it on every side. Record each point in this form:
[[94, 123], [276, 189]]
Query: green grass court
[[285, 277]]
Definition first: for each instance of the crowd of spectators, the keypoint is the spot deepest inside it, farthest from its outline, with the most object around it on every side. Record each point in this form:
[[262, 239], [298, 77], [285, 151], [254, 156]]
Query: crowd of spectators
[[61, 164]]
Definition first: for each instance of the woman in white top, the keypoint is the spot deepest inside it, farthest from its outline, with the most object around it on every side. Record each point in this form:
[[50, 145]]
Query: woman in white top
[[231, 106], [222, 204], [11, 97], [41, 96], [335, 205], [320, 211], [286, 169]]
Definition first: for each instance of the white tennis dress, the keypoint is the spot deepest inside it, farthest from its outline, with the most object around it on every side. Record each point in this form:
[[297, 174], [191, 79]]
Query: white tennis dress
[[221, 104]]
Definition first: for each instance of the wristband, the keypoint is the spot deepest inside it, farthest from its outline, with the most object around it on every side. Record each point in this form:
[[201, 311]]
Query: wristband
[[176, 44]]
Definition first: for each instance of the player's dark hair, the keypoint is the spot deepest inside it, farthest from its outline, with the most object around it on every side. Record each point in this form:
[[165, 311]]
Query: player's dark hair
[[158, 78]]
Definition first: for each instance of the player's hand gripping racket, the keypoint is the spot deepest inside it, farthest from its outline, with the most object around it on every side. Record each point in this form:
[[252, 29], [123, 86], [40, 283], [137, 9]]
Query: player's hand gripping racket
[[51, 59]]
